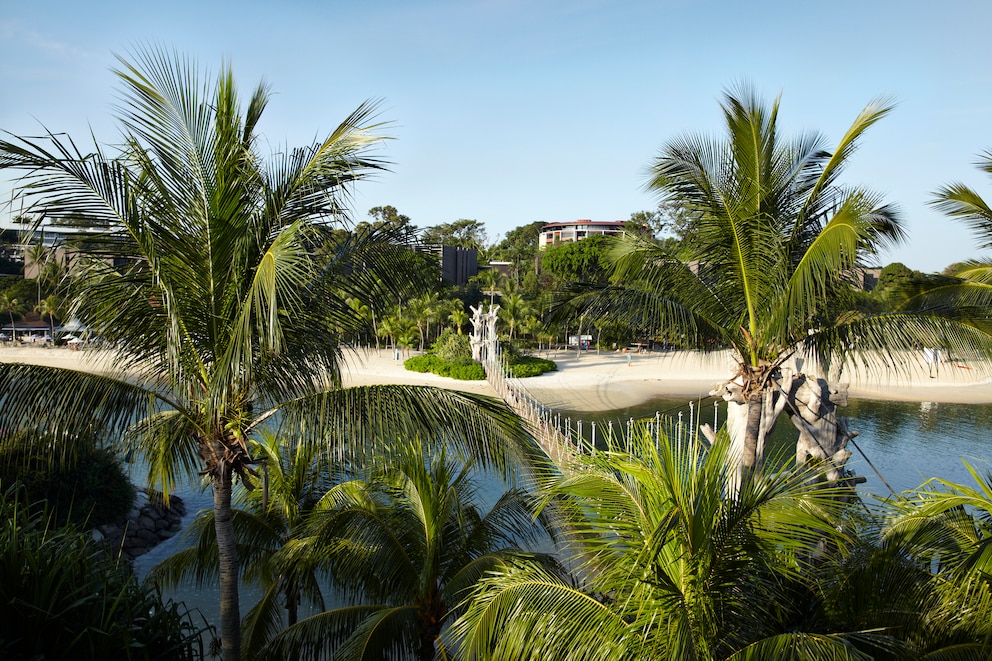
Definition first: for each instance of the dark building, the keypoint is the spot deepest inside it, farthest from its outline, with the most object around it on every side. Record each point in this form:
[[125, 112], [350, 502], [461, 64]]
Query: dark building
[[458, 264]]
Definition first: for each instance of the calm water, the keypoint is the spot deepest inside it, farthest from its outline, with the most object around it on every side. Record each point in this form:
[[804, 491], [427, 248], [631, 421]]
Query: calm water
[[907, 442]]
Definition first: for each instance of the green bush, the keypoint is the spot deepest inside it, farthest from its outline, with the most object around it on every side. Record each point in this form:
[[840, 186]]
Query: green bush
[[463, 369], [526, 366], [426, 363], [62, 597], [90, 488], [470, 372]]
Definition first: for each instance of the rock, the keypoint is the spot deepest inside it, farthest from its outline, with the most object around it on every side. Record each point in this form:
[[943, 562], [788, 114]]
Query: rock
[[97, 536], [147, 537], [165, 533], [146, 523]]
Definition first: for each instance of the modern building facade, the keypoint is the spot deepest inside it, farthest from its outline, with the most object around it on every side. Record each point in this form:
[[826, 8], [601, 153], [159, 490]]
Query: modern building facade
[[577, 230]]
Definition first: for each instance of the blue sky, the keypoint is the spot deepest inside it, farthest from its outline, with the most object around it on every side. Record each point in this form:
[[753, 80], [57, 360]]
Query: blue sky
[[514, 111]]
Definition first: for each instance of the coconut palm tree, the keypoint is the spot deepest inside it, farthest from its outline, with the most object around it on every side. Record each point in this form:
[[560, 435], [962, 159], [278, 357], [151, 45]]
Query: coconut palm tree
[[266, 521], [405, 545], [10, 305], [514, 310], [49, 307], [946, 531], [765, 269], [223, 314], [667, 567], [458, 316]]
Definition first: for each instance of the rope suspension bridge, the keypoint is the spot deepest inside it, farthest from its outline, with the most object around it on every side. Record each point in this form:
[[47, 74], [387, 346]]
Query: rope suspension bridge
[[562, 437]]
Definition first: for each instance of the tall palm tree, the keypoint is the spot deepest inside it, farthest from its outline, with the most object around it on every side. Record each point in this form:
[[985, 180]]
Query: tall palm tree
[[405, 546], [223, 315], [266, 521], [49, 307], [458, 316], [10, 305], [968, 290], [513, 309], [765, 269], [667, 567], [38, 255]]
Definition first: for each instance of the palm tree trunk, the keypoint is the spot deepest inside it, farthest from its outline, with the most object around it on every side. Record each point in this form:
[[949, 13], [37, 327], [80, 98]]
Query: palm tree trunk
[[230, 613]]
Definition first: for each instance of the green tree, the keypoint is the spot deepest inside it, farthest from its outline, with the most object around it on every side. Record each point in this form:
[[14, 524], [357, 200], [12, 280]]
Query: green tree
[[406, 546], [513, 311], [464, 233], [224, 313], [10, 305], [267, 520], [579, 261], [763, 270], [521, 247], [49, 307], [667, 566], [388, 216], [458, 317]]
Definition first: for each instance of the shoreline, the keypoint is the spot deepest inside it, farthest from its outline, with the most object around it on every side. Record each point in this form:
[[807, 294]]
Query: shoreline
[[603, 381]]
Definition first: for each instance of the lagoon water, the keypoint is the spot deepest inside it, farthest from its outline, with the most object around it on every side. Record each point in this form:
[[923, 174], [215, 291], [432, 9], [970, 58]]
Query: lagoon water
[[907, 442]]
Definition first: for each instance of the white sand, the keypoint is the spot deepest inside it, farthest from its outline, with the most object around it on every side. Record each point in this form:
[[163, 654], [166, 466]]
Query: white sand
[[604, 381]]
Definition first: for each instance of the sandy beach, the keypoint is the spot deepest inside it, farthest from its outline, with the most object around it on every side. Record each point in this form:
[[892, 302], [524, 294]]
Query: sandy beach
[[604, 381]]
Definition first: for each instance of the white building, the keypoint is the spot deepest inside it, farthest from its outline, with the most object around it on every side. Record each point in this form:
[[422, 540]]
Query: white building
[[577, 230]]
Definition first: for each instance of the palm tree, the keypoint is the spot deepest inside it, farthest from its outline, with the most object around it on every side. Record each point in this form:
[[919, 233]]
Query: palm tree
[[266, 521], [405, 546], [765, 270], [458, 316], [945, 529], [38, 255], [10, 305], [667, 567], [513, 309], [49, 307], [224, 313]]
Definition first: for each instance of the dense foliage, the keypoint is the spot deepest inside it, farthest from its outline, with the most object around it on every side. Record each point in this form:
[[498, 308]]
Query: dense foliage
[[62, 597], [89, 488]]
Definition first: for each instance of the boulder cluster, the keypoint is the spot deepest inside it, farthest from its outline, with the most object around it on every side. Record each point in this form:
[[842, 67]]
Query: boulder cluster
[[151, 520]]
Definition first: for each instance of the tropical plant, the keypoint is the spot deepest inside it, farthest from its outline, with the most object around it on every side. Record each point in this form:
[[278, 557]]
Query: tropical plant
[[63, 597], [266, 521], [10, 305], [946, 529], [765, 269], [458, 317], [667, 566], [513, 310], [405, 546], [224, 312], [49, 307]]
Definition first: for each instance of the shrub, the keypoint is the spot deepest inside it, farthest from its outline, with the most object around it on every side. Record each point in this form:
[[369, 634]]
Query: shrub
[[64, 598], [471, 372], [526, 366], [464, 369], [426, 363], [88, 488]]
